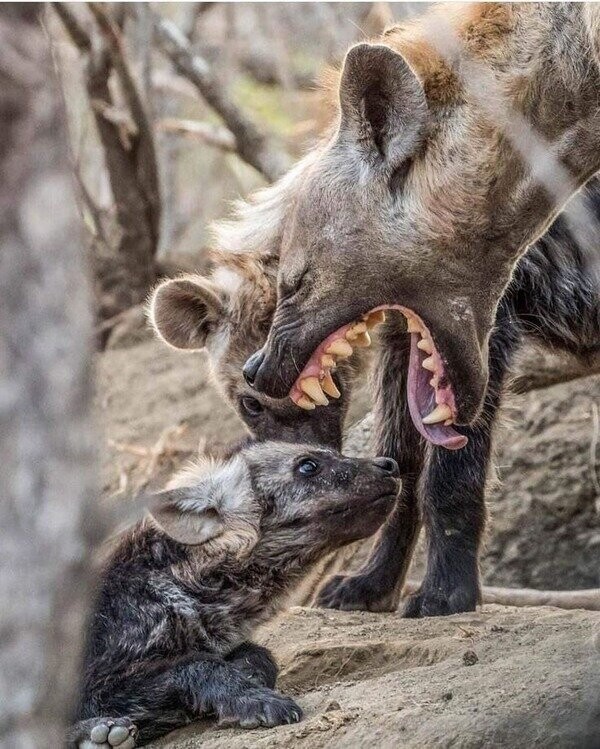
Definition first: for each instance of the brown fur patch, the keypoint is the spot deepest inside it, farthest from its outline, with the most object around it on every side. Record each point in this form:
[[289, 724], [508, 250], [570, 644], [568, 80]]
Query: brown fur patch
[[254, 304], [481, 27]]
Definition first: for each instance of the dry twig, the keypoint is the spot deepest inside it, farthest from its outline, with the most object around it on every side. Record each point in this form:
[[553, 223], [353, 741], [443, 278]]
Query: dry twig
[[212, 135], [125, 277], [164, 449], [252, 145]]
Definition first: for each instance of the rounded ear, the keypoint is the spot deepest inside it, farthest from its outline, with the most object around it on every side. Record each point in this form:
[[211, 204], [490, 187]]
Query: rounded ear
[[186, 517], [382, 102], [183, 311]]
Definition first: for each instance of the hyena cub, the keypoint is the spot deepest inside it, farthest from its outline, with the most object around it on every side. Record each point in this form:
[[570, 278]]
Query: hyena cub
[[228, 314], [183, 589]]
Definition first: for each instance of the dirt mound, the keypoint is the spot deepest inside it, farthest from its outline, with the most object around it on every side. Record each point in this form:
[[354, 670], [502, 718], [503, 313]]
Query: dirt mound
[[499, 678]]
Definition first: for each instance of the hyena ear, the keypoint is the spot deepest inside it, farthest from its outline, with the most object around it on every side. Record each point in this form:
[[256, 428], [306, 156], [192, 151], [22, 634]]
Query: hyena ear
[[383, 105], [187, 516], [183, 311]]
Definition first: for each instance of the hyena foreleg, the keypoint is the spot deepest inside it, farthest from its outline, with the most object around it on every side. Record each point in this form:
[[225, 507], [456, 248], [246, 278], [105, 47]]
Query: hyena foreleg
[[378, 585], [454, 501], [256, 663], [237, 690]]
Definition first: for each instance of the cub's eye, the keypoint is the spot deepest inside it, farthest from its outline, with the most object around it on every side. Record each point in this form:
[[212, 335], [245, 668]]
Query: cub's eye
[[251, 406], [308, 467]]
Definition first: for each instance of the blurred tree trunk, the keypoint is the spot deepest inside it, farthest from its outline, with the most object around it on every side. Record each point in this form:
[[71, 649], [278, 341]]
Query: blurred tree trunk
[[48, 515]]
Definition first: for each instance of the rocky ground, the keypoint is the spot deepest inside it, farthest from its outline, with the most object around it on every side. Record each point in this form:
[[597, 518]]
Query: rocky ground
[[502, 677]]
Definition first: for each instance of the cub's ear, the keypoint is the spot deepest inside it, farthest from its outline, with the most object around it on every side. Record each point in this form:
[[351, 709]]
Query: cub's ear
[[383, 105], [187, 516], [183, 311]]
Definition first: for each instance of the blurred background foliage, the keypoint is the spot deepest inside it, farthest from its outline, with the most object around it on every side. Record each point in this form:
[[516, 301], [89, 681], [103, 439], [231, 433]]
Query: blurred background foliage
[[266, 59]]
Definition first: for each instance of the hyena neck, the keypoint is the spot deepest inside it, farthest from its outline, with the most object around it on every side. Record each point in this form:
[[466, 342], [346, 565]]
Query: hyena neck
[[269, 580], [535, 64], [561, 99]]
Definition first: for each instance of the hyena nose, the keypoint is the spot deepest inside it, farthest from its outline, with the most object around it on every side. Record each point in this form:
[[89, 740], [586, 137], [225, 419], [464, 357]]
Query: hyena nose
[[252, 366], [387, 465]]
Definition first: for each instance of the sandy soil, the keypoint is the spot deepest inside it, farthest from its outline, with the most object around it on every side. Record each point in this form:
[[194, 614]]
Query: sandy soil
[[499, 678]]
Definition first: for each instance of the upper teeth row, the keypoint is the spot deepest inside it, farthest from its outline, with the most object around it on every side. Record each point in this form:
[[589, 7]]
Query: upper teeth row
[[315, 388]]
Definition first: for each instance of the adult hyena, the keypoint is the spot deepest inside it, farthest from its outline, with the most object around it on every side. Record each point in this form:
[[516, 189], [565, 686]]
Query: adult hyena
[[551, 298], [421, 201]]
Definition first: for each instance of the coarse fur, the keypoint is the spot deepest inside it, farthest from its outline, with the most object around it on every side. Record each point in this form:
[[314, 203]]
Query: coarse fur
[[552, 299], [183, 590]]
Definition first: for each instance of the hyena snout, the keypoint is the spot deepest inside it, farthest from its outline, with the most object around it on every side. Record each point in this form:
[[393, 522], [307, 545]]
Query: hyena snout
[[359, 512]]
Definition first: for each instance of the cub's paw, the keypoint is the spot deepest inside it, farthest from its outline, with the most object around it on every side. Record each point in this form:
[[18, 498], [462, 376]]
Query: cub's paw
[[103, 733], [427, 602], [357, 593], [256, 663], [259, 707]]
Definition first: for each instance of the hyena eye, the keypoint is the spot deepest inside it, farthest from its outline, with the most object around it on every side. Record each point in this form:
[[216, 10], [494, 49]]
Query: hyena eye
[[251, 406], [308, 467]]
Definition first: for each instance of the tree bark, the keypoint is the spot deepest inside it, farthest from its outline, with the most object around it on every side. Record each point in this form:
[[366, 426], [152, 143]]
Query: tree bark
[[48, 514], [125, 274]]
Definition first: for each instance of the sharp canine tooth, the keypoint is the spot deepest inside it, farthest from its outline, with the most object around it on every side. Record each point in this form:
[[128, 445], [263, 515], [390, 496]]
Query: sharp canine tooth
[[327, 361], [340, 348], [412, 326], [448, 422], [434, 381], [428, 364], [439, 413], [312, 388], [375, 318], [329, 386], [353, 332], [425, 344], [305, 403]]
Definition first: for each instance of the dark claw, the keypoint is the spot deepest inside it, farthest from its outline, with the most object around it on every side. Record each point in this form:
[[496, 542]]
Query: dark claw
[[440, 603], [260, 706], [357, 593]]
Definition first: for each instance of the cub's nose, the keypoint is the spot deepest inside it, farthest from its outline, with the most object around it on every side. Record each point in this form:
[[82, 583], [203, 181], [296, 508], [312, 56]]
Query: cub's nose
[[387, 465], [252, 366]]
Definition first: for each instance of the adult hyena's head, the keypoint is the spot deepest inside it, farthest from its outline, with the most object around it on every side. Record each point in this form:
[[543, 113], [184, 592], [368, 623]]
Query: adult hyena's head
[[228, 314], [416, 201]]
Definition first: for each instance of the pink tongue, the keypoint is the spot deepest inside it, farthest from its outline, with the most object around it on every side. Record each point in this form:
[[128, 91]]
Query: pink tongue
[[421, 401]]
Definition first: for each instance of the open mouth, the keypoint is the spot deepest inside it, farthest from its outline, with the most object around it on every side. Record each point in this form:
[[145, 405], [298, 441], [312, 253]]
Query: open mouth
[[431, 399]]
